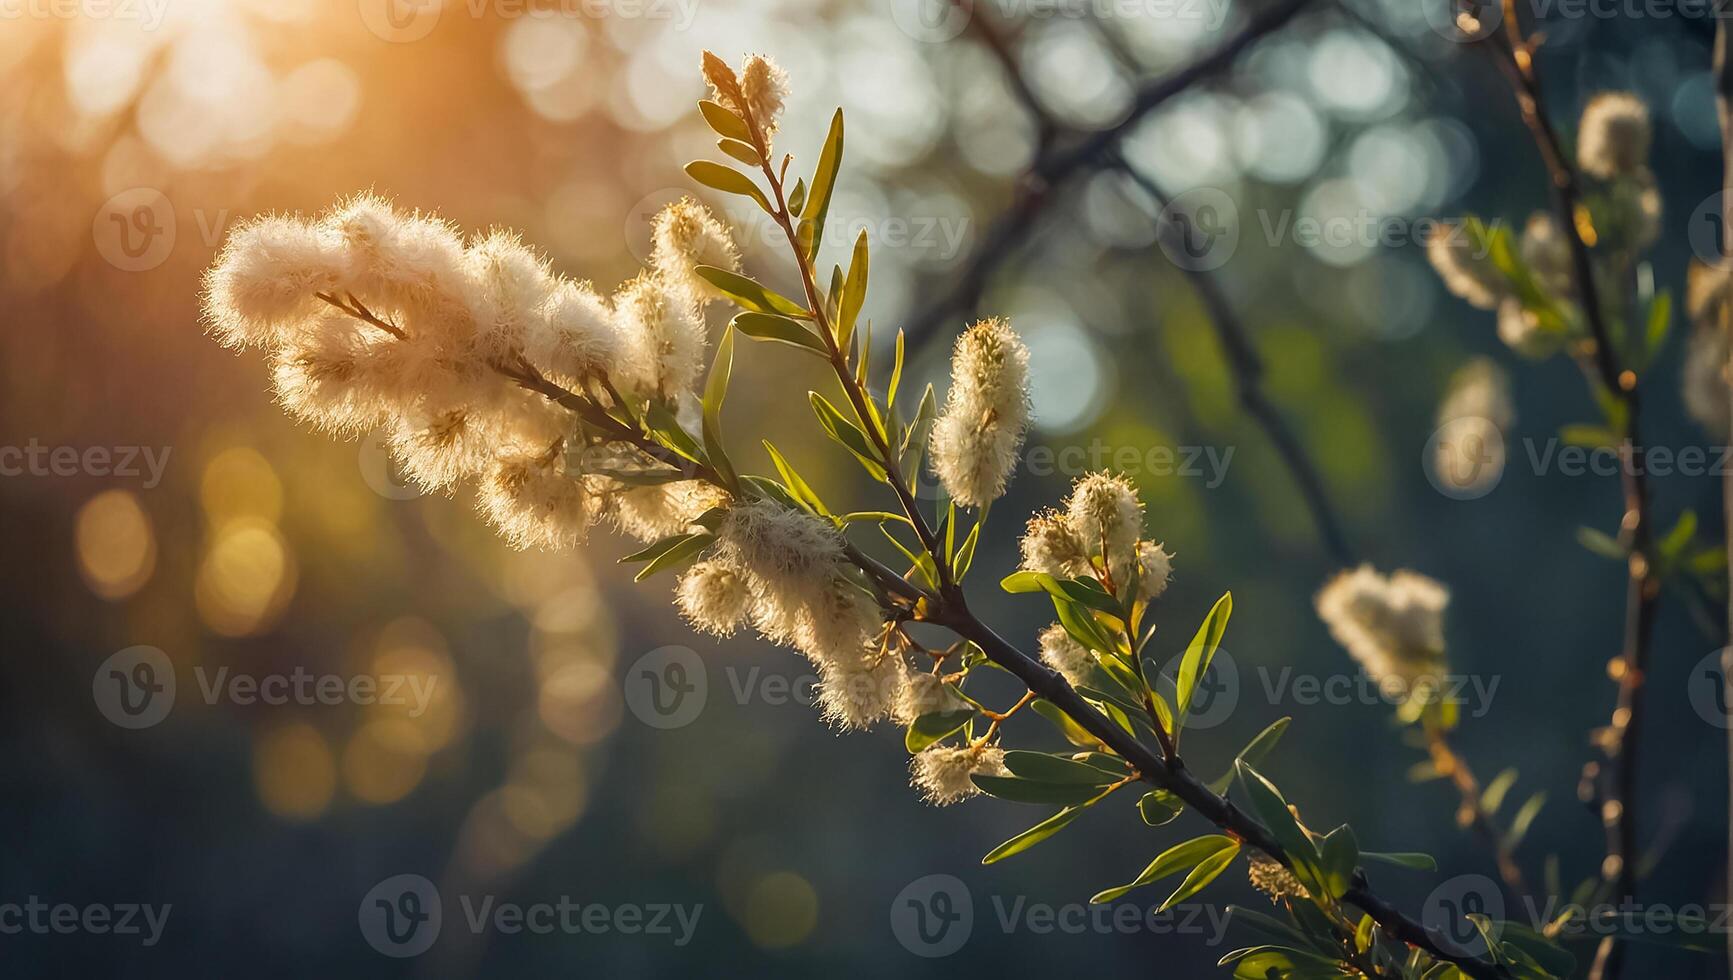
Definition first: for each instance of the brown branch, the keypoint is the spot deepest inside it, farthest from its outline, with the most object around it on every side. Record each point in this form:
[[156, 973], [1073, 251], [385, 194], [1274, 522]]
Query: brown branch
[[1473, 813], [1038, 188], [1723, 75], [1619, 741]]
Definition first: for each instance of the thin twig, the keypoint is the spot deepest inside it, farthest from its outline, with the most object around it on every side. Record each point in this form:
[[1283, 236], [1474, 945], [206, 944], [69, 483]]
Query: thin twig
[[1474, 813], [1040, 185], [1514, 53], [1247, 369]]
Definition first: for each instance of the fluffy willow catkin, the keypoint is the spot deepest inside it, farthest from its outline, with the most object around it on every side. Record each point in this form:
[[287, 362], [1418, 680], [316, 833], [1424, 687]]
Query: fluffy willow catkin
[[714, 597], [686, 235], [1071, 659], [1393, 626], [428, 328], [1466, 273], [1614, 135], [941, 773], [1104, 511], [975, 440]]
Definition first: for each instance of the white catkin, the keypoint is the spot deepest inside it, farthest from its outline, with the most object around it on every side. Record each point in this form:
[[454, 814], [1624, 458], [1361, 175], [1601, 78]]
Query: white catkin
[[266, 278], [713, 596], [1393, 626], [665, 337], [509, 286], [534, 503], [649, 513], [975, 440], [685, 235], [1547, 254], [1064, 654], [1465, 272], [765, 88], [1052, 545], [859, 697], [1106, 513], [1521, 331], [1704, 384], [1613, 138], [925, 694], [1154, 569], [1478, 389], [941, 773], [574, 337]]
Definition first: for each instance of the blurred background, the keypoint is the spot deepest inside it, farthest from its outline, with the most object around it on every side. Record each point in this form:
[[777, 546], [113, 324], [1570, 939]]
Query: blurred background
[[134, 133]]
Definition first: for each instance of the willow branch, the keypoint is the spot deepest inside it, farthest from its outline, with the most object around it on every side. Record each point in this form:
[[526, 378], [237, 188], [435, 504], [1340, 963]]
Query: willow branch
[[1723, 76], [1038, 188], [1514, 54]]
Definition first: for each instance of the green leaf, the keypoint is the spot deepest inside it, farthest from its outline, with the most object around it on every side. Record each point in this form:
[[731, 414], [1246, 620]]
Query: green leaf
[[1524, 818], [1078, 622], [797, 197], [751, 294], [811, 231], [1550, 956], [1158, 808], [1206, 871], [1412, 860], [797, 486], [853, 292], [1266, 925], [915, 439], [655, 549], [1180, 857], [728, 180], [780, 329], [739, 150], [1338, 856], [1492, 797], [896, 377], [724, 121], [683, 551], [1074, 733], [1034, 835], [935, 725], [1600, 543], [1660, 322], [715, 390], [1018, 790], [1270, 808], [1253, 754], [846, 433], [1198, 655], [1590, 436], [1045, 768], [665, 429], [1673, 545]]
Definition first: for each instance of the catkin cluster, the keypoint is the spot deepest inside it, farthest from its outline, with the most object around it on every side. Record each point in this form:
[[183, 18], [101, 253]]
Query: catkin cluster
[[1098, 534], [1392, 625], [377, 319]]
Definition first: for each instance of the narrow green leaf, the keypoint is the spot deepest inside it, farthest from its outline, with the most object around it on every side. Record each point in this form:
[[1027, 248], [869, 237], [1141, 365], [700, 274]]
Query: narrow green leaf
[[1198, 654], [1600, 543], [1413, 860], [1045, 768], [797, 197], [715, 390], [740, 151], [896, 377], [1206, 871], [751, 294], [935, 725], [1338, 856], [1017, 790], [665, 429], [845, 433], [655, 549], [1180, 857], [799, 487], [853, 292], [811, 231], [1158, 808], [1074, 733], [724, 121], [682, 552], [1034, 835], [1253, 754], [728, 180], [780, 329], [1269, 806]]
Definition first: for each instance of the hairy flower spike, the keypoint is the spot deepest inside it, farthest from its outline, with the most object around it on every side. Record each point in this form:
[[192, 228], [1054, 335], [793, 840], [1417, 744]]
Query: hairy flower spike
[[534, 502], [925, 694], [648, 513], [686, 235], [1275, 881], [1613, 138], [1107, 515], [764, 87], [713, 596], [574, 337], [1052, 545], [1547, 254], [1466, 273], [942, 772], [860, 697], [975, 441], [665, 337], [266, 278], [1064, 654], [1393, 626], [1154, 569]]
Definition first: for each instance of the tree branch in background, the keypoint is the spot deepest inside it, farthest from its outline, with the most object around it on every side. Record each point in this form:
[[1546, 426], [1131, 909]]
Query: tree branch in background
[[1038, 187], [1514, 54], [1722, 74]]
